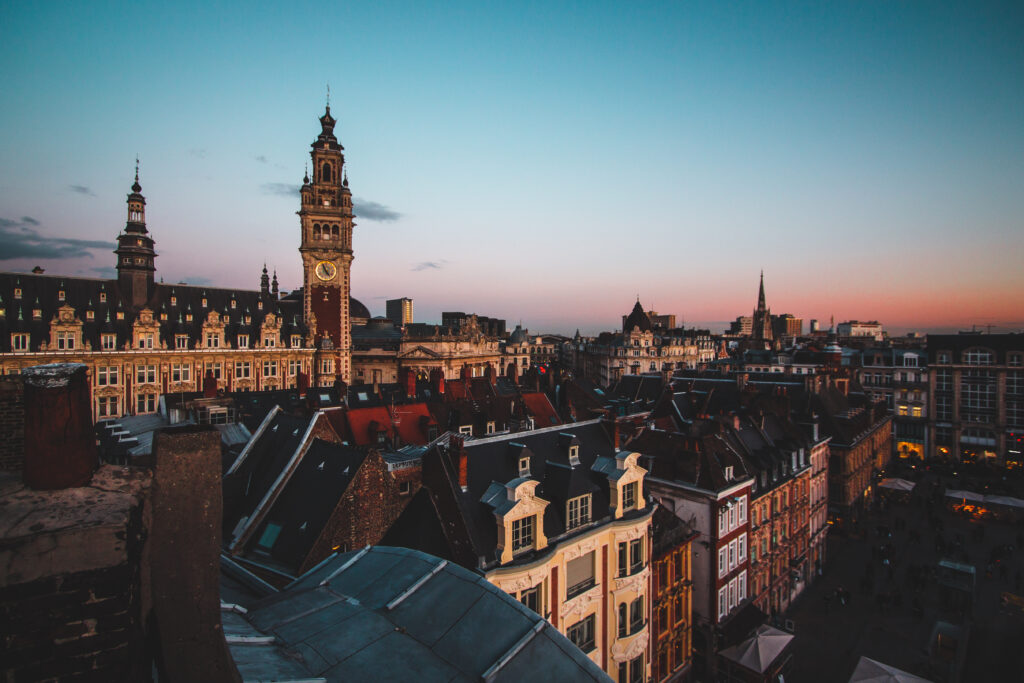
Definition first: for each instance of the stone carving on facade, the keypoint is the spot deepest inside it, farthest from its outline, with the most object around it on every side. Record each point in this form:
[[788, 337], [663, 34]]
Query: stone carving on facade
[[633, 583], [524, 581], [581, 604], [580, 549], [631, 534], [625, 649]]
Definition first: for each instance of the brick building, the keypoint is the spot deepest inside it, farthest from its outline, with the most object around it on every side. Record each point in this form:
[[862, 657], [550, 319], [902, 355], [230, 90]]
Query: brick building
[[671, 597]]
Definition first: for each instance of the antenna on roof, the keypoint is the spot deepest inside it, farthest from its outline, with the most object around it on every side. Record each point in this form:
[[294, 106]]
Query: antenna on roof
[[328, 95]]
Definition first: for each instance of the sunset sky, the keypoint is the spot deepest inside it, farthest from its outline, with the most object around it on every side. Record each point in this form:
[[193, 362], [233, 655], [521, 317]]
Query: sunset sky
[[544, 162]]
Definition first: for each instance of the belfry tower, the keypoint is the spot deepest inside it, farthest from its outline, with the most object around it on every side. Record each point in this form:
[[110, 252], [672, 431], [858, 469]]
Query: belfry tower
[[135, 251], [761, 328], [326, 249]]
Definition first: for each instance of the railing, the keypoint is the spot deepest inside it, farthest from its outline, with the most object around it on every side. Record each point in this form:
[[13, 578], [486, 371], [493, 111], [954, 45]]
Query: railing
[[581, 587]]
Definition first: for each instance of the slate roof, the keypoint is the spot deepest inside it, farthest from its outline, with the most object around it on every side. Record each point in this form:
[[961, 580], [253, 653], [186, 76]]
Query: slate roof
[[637, 320], [178, 301], [298, 515], [494, 462], [697, 461], [391, 614]]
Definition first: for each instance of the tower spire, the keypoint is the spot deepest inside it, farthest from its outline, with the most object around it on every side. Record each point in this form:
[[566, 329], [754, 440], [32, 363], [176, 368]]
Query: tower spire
[[760, 294]]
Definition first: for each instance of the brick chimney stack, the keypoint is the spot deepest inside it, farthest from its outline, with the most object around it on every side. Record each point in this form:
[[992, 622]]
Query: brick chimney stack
[[456, 447], [209, 385], [437, 381], [60, 446], [491, 374], [407, 378]]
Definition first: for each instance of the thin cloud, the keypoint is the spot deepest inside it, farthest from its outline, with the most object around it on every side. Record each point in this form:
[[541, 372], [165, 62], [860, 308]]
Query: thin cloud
[[430, 265], [262, 159], [374, 211], [19, 240], [80, 189], [280, 189], [105, 271], [198, 152]]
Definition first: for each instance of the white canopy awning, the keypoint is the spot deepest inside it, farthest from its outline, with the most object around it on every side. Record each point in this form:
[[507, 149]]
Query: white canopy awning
[[870, 671], [969, 496], [759, 651], [897, 484]]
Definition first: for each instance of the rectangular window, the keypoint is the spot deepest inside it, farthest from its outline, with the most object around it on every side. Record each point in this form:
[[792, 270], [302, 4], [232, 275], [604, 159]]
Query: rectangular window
[[629, 496], [582, 633], [327, 366], [636, 555], [579, 511], [106, 406], [243, 341], [743, 510], [741, 548], [181, 341], [722, 602], [722, 522], [215, 368], [522, 533], [65, 341], [722, 562], [19, 342], [531, 598], [181, 372], [296, 341], [145, 374], [732, 554], [294, 367], [732, 518], [212, 340], [106, 376], [732, 594], [108, 341], [270, 368], [145, 341], [579, 575], [636, 615], [741, 587], [243, 369], [145, 403], [269, 342]]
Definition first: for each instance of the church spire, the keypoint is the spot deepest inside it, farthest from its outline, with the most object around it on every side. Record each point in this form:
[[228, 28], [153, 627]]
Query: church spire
[[760, 294], [265, 281]]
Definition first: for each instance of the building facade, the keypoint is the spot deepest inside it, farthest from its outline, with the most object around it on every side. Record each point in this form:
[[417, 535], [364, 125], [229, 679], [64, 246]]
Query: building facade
[[399, 311], [976, 397]]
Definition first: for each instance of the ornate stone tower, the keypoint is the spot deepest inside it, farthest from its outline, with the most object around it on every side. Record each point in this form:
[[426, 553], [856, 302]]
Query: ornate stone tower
[[135, 254], [326, 217]]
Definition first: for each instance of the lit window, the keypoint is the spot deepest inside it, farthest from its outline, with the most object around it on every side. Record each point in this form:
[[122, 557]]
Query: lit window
[[181, 372], [522, 533], [524, 467], [60, 295], [270, 368], [103, 297]]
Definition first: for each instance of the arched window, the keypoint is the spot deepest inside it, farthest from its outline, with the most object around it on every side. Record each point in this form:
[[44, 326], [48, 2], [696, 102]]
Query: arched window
[[325, 173], [316, 231], [623, 620]]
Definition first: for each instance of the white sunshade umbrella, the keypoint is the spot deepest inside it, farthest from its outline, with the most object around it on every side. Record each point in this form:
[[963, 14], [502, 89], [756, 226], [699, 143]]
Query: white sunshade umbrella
[[870, 671]]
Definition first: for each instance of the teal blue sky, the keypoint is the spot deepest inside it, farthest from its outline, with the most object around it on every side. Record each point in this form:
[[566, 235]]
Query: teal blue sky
[[541, 161]]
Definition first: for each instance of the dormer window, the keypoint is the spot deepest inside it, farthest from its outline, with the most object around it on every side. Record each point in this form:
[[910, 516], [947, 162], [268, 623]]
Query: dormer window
[[61, 296], [204, 302], [466, 429], [17, 292], [524, 467], [574, 455], [174, 301], [629, 495], [243, 341], [120, 315], [259, 305], [103, 297], [523, 533], [234, 304], [578, 512], [296, 341], [90, 315], [490, 427], [728, 473]]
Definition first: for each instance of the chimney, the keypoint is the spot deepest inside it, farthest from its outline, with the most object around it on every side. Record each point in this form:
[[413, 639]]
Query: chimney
[[187, 507], [407, 378], [60, 446], [465, 372], [437, 382], [611, 426], [302, 380], [513, 372], [209, 385], [458, 451], [491, 374]]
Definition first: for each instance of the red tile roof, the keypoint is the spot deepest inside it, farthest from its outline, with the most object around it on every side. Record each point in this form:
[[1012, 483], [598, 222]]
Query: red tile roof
[[540, 408]]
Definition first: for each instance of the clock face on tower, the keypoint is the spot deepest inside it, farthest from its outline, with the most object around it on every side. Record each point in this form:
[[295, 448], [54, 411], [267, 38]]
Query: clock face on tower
[[326, 271]]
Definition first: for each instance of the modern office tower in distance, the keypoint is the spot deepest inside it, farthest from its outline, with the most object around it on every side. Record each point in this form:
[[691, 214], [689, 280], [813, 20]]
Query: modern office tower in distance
[[399, 311]]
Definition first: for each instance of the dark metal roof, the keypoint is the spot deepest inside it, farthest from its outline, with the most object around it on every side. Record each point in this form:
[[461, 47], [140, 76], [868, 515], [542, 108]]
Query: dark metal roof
[[392, 614]]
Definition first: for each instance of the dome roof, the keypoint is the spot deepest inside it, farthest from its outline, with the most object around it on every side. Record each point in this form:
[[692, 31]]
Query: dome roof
[[637, 320], [518, 335], [356, 309]]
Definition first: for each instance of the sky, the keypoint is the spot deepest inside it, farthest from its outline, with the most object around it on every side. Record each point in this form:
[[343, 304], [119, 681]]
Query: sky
[[543, 162]]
